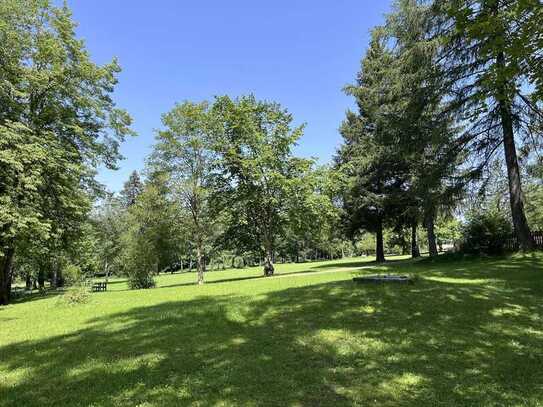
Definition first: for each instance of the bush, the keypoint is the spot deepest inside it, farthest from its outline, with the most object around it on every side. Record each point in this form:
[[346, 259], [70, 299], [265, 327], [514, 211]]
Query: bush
[[486, 233], [140, 260], [76, 295], [138, 281], [72, 274], [140, 263]]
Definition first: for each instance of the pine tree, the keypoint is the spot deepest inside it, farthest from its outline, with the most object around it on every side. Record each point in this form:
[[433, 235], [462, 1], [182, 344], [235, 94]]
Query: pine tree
[[421, 127], [131, 190], [376, 173]]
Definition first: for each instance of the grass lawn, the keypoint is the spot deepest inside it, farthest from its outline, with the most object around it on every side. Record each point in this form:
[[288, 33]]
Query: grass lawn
[[467, 333]]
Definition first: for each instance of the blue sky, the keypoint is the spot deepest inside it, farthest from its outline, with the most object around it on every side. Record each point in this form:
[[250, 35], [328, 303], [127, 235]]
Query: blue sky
[[298, 53]]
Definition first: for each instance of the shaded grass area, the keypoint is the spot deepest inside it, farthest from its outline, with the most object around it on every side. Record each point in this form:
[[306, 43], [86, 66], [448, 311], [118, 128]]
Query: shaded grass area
[[469, 332]]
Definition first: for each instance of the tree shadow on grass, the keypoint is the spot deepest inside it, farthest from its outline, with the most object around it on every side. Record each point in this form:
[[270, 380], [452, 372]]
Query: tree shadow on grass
[[36, 295], [237, 279], [364, 263], [432, 343]]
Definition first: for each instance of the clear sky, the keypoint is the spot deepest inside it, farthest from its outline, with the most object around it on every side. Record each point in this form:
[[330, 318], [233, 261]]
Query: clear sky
[[298, 53]]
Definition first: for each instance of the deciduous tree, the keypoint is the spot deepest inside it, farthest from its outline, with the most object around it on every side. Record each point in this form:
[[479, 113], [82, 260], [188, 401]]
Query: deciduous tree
[[57, 122]]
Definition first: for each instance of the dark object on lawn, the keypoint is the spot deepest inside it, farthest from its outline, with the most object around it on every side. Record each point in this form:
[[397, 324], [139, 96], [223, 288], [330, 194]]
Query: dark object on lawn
[[99, 287], [381, 279]]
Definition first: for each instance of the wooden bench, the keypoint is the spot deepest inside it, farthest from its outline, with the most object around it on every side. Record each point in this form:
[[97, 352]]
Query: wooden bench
[[99, 287]]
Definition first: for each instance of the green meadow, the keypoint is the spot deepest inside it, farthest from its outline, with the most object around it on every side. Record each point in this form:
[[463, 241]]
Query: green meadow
[[467, 332]]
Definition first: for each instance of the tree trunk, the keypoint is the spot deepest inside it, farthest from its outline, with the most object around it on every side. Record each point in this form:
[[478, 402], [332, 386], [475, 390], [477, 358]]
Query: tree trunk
[[6, 265], [107, 271], [415, 251], [201, 265], [58, 279], [268, 260], [379, 247], [432, 247], [516, 196], [41, 278], [268, 265], [54, 276]]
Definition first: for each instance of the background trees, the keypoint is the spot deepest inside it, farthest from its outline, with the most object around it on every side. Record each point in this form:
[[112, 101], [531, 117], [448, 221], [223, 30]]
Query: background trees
[[132, 188], [150, 241], [441, 87], [108, 223]]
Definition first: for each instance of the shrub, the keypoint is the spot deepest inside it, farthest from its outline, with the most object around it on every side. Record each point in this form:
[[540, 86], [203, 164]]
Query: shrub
[[72, 274], [138, 281], [75, 295], [140, 263], [486, 232], [139, 256]]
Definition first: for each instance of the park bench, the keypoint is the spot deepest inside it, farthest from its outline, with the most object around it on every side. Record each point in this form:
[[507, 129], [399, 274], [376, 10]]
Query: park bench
[[99, 286]]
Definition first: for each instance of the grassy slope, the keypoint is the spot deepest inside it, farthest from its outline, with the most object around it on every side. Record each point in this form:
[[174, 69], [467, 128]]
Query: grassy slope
[[469, 332]]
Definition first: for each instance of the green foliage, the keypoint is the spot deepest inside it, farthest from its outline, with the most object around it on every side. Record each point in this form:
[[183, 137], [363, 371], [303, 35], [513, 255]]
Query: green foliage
[[365, 244], [449, 229], [374, 170], [108, 221], [184, 154], [257, 173], [486, 232], [131, 190], [72, 275], [488, 50], [58, 123], [78, 294], [139, 278], [149, 241], [534, 205]]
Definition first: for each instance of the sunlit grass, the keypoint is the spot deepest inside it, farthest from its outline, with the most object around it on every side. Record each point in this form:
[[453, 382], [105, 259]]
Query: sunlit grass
[[468, 332]]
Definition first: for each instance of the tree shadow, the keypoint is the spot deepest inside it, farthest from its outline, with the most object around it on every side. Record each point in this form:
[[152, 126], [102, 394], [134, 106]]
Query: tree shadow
[[433, 343], [35, 296], [237, 279], [363, 263]]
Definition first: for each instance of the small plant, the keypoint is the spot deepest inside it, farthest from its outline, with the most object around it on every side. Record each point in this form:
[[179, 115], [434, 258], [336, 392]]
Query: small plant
[[75, 295]]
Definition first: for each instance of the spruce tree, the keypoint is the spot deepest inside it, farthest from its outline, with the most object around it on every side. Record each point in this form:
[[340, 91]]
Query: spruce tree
[[131, 190], [375, 171]]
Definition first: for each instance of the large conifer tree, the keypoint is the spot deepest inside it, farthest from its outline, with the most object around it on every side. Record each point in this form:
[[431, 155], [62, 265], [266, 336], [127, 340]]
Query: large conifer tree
[[375, 171], [489, 56]]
